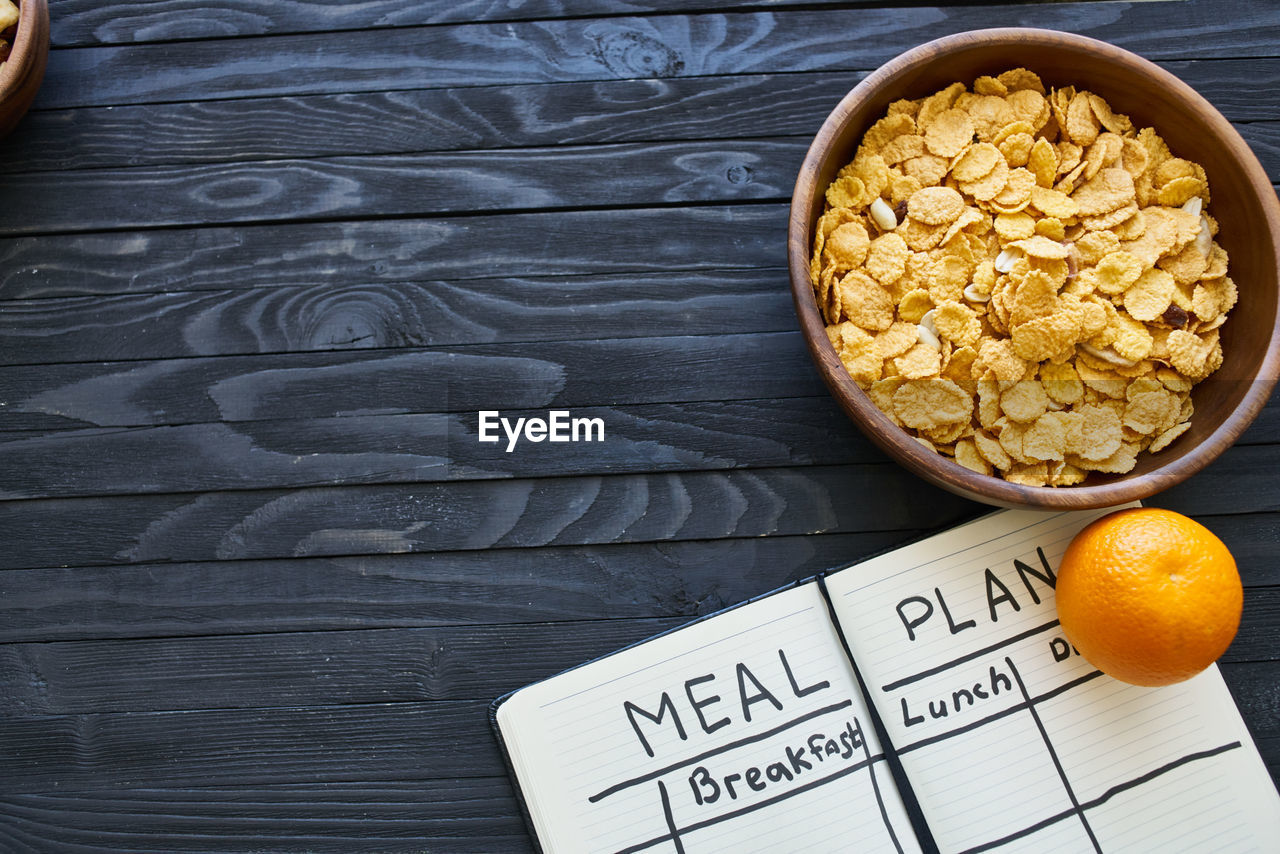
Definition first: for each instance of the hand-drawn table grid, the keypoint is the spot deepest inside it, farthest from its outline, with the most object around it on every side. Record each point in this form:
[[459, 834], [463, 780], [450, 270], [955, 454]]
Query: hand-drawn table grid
[[999, 658], [677, 834]]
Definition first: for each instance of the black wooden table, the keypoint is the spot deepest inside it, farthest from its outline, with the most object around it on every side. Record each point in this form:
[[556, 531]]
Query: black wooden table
[[262, 266]]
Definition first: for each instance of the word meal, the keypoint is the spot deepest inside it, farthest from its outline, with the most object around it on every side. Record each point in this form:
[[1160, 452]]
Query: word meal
[[1022, 279]]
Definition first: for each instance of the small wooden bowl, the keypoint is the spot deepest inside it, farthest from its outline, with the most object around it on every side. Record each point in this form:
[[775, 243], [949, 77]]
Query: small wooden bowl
[[24, 70], [1243, 203]]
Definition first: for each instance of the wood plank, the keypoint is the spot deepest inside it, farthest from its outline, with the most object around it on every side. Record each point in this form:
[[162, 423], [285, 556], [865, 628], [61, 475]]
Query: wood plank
[[339, 316], [1266, 429], [80, 22], [364, 743], [1269, 748], [676, 579], [427, 448], [556, 374], [441, 447], [382, 316], [368, 666], [326, 521], [421, 184], [445, 815], [361, 383], [301, 669], [486, 117], [632, 580], [1248, 98], [1239, 489], [562, 243], [479, 118], [613, 48], [686, 579], [1256, 689], [1252, 538], [559, 243], [431, 517], [401, 185], [1264, 139], [1259, 625]]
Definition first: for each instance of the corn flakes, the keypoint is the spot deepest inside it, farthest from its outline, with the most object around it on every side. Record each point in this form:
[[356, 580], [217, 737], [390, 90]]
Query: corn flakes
[[935, 205], [968, 456], [1023, 279], [932, 403]]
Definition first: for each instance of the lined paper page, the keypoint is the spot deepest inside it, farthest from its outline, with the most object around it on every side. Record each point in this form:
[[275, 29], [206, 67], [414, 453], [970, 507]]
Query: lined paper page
[[743, 732], [1011, 740]]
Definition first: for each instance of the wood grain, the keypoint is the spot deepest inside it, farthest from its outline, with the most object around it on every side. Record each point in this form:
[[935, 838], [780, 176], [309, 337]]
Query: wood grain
[[405, 315], [1198, 495], [367, 449], [377, 742], [562, 243], [613, 48], [466, 515], [426, 448], [468, 118], [301, 669], [1264, 139], [489, 117], [491, 587], [398, 185], [332, 316], [438, 815], [630, 580], [86, 22], [353, 667], [430, 517], [368, 382]]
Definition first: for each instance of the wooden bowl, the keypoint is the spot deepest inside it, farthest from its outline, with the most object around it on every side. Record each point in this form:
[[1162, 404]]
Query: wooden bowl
[[1243, 203], [24, 70]]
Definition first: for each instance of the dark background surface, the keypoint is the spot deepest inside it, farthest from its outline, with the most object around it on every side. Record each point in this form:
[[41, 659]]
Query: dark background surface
[[261, 264]]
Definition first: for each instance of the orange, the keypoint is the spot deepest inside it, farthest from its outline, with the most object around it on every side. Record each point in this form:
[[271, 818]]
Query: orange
[[1149, 596]]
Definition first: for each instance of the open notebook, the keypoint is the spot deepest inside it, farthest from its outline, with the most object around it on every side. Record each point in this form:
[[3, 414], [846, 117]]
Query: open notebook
[[924, 697]]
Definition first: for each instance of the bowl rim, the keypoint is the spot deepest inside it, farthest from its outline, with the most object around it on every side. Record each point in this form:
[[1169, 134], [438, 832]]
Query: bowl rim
[[28, 45], [895, 441]]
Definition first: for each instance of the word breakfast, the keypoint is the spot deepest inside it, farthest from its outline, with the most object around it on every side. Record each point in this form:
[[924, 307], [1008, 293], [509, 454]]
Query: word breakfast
[[819, 747]]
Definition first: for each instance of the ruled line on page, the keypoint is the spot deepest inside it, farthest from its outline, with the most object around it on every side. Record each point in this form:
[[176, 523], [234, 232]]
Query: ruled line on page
[[947, 665], [1003, 539]]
